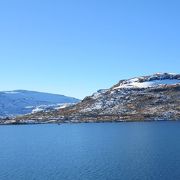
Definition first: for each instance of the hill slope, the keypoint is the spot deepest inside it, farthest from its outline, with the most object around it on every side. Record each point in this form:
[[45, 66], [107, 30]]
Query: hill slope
[[21, 101], [155, 97]]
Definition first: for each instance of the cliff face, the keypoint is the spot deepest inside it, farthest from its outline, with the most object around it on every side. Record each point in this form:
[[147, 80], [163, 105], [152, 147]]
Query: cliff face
[[155, 97]]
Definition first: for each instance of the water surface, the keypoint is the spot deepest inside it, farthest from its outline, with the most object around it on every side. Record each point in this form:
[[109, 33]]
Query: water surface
[[92, 151]]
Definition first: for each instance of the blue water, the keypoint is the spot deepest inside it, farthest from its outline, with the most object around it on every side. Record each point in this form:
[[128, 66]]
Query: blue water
[[102, 151]]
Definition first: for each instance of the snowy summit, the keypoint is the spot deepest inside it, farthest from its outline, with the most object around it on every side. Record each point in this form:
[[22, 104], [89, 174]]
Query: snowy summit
[[149, 81]]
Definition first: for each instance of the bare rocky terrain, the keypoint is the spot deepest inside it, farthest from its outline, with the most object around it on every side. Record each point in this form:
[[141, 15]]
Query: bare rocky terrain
[[145, 98]]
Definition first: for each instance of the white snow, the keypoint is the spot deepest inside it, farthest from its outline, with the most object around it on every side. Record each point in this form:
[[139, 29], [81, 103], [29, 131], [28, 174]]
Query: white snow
[[49, 107], [64, 105], [160, 73], [29, 107], [99, 93], [98, 105], [133, 83], [38, 109], [133, 80], [96, 95], [11, 92]]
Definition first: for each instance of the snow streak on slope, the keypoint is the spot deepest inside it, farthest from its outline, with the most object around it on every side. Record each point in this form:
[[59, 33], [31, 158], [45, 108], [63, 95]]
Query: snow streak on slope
[[19, 102], [134, 83]]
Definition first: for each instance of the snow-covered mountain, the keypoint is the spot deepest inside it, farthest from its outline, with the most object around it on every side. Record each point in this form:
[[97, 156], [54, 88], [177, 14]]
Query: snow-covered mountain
[[149, 81], [19, 102], [154, 97]]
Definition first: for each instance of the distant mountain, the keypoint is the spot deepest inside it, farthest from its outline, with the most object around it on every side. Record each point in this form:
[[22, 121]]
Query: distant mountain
[[19, 102], [154, 97]]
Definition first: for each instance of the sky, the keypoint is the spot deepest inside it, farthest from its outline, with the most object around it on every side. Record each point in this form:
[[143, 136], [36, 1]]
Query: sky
[[75, 47]]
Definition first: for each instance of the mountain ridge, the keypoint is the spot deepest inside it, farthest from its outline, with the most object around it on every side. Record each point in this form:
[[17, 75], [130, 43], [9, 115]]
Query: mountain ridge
[[19, 102], [153, 97]]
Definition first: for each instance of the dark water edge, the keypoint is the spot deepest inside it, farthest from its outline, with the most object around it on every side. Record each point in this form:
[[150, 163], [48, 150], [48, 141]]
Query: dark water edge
[[84, 122], [125, 151]]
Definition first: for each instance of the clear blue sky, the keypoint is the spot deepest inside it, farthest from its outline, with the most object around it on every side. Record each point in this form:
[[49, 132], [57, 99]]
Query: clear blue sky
[[75, 47]]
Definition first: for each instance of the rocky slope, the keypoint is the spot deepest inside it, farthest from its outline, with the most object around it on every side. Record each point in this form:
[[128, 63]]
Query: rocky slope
[[18, 102], [155, 97]]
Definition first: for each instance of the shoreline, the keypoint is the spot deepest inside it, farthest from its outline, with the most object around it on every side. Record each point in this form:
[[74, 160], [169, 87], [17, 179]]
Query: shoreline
[[85, 122]]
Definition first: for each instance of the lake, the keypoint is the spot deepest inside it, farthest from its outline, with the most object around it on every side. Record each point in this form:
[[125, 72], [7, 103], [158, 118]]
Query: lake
[[91, 151]]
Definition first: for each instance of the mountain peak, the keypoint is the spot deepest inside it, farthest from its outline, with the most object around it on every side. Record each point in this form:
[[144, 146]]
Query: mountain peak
[[156, 79], [152, 97]]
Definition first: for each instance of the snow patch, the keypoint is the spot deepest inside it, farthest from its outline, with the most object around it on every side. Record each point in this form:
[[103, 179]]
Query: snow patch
[[64, 106], [133, 83], [11, 92], [99, 93]]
